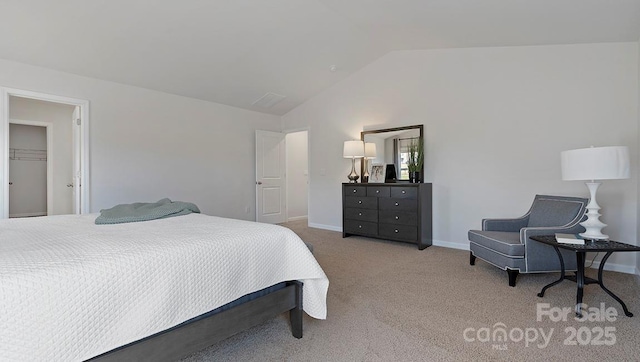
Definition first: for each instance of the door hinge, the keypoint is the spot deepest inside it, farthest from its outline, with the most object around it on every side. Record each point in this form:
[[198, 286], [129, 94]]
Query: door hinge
[[78, 121]]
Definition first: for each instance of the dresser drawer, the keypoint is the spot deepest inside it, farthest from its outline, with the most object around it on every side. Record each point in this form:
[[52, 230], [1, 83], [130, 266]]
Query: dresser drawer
[[361, 214], [379, 191], [404, 192], [360, 227], [355, 191], [394, 204], [399, 217], [361, 202], [398, 232]]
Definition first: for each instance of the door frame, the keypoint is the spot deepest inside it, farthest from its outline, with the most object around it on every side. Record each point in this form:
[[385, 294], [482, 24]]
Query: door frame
[[5, 94], [295, 130], [49, 130]]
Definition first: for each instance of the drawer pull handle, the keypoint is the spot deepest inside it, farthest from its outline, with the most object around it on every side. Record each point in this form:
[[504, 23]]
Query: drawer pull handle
[[359, 214], [359, 201], [377, 191], [396, 204], [354, 191], [397, 218], [404, 192], [360, 226], [396, 230]]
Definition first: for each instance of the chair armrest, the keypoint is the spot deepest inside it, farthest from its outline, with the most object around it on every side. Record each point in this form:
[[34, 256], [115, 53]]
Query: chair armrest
[[542, 257], [526, 233], [512, 225]]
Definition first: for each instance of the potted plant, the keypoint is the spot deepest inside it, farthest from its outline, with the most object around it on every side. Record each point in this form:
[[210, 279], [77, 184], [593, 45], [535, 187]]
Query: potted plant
[[415, 160]]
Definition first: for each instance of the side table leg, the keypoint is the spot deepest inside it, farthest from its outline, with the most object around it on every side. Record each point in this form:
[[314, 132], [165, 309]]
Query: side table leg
[[580, 256], [600, 269], [541, 294]]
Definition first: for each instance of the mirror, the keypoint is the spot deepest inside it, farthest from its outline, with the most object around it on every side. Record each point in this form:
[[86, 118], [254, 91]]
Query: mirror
[[391, 149]]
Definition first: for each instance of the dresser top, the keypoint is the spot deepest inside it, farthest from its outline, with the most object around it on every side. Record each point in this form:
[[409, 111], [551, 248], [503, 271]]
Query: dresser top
[[397, 184]]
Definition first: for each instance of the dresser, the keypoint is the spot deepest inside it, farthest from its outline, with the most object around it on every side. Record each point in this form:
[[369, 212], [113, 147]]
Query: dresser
[[398, 211]]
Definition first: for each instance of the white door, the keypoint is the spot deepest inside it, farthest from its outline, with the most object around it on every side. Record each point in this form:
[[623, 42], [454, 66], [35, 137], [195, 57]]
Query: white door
[[27, 170], [270, 177], [76, 169]]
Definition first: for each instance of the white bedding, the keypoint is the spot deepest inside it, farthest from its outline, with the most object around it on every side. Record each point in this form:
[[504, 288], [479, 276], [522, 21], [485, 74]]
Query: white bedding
[[71, 290]]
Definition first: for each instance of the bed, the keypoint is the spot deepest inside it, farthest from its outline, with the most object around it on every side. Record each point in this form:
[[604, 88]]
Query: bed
[[73, 290]]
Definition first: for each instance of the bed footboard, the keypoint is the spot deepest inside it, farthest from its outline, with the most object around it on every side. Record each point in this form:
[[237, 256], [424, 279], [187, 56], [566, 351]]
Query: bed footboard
[[191, 337]]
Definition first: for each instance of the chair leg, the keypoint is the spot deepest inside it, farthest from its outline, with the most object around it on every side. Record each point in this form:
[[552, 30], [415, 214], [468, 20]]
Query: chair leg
[[513, 275], [472, 258]]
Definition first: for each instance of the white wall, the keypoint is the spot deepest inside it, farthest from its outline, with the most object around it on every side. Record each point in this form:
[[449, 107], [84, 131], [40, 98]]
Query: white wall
[[297, 174], [496, 120], [59, 115], [146, 145]]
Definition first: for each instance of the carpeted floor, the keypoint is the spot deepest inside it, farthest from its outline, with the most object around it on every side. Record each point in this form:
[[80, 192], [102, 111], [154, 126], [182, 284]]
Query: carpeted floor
[[389, 301]]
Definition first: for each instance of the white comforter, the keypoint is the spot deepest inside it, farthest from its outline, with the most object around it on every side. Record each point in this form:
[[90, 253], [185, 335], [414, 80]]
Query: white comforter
[[71, 290]]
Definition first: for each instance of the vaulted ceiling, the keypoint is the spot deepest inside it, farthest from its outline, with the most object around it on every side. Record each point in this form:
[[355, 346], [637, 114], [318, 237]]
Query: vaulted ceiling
[[235, 51]]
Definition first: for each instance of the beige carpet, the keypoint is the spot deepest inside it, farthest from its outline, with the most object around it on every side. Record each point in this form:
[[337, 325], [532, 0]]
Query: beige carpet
[[391, 302]]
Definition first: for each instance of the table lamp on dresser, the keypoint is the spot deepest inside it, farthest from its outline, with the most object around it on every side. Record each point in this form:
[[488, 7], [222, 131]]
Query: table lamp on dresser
[[369, 154], [592, 164], [353, 149]]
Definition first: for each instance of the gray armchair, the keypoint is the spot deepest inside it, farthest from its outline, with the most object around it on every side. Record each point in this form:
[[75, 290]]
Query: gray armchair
[[505, 243]]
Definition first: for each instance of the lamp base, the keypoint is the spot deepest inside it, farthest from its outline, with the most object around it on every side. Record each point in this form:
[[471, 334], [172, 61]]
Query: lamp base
[[353, 176], [365, 175], [593, 224]]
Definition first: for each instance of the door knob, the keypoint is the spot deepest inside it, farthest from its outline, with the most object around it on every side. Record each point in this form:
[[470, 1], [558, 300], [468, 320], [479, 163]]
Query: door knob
[[69, 185], [258, 182]]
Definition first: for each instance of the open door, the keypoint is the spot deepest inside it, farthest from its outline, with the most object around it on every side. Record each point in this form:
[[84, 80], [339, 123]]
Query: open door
[[270, 177], [77, 164]]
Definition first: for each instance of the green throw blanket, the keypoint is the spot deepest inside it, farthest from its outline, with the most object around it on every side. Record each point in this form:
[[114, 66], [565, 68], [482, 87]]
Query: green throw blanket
[[145, 211]]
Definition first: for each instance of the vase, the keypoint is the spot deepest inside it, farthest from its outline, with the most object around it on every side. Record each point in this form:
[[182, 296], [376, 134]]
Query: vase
[[414, 177]]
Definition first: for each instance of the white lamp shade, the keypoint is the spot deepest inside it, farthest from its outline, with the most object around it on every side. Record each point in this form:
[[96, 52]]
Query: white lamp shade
[[595, 163], [370, 150], [353, 149]]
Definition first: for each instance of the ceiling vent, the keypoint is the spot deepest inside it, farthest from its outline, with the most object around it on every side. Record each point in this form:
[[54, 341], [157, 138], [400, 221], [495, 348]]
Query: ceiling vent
[[268, 100]]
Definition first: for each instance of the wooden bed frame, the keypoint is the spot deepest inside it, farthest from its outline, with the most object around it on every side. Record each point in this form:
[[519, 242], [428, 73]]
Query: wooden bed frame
[[187, 338]]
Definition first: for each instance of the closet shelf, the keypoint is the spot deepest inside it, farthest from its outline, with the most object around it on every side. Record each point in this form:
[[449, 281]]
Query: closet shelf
[[22, 154]]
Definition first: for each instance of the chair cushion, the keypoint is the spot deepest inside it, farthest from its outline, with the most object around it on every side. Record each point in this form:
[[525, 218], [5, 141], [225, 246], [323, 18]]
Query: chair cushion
[[503, 242], [553, 212]]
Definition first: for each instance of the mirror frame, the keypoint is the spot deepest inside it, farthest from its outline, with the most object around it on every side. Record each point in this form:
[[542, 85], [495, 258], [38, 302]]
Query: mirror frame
[[383, 130]]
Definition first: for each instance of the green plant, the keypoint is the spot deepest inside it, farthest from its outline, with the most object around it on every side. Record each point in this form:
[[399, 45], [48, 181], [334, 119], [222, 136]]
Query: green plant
[[416, 156]]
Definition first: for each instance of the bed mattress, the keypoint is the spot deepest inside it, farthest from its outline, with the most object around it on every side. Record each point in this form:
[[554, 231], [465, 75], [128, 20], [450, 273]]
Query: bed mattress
[[71, 290]]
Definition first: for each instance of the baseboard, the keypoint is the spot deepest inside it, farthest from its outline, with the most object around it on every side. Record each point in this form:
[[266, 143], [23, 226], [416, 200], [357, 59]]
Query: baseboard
[[296, 218], [325, 227], [450, 245], [627, 269], [28, 214]]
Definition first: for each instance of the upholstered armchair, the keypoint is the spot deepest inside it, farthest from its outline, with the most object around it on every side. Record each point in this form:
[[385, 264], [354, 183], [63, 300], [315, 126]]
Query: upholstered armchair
[[505, 243]]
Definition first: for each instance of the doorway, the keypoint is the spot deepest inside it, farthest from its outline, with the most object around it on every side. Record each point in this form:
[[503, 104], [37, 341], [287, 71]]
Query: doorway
[[57, 119], [297, 161], [282, 176], [66, 120]]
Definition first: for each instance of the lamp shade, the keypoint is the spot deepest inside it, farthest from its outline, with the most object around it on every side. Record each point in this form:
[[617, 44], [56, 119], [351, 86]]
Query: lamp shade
[[353, 149], [595, 163], [370, 150]]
